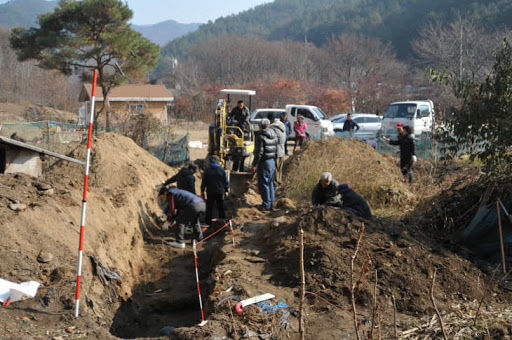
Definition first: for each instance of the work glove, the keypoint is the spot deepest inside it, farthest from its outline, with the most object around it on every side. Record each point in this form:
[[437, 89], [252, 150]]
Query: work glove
[[414, 159], [166, 226]]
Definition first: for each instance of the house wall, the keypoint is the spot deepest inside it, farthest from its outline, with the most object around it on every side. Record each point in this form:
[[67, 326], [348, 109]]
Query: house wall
[[122, 109]]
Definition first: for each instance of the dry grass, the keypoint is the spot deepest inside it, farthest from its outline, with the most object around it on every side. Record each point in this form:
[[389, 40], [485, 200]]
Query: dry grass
[[374, 176]]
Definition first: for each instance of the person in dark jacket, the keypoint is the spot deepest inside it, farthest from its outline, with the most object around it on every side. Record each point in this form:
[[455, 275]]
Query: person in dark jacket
[[288, 125], [326, 191], [185, 177], [350, 125], [186, 208], [215, 183], [407, 150], [239, 116], [354, 202], [265, 153]]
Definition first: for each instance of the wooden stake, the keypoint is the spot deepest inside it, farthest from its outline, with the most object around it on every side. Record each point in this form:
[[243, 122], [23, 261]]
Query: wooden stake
[[302, 286], [353, 284], [498, 209], [435, 306], [394, 316]]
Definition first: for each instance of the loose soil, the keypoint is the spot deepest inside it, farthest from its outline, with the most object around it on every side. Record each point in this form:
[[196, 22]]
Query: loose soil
[[158, 286]]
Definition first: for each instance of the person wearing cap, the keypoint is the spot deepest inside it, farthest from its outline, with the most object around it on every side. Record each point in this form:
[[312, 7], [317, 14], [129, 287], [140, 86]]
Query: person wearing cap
[[286, 122], [265, 153], [280, 130], [399, 128], [300, 128], [185, 208], [326, 191], [354, 202], [185, 178], [407, 150], [350, 125], [215, 183]]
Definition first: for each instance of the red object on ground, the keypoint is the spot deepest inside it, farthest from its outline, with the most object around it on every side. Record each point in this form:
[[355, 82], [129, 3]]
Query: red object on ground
[[238, 308]]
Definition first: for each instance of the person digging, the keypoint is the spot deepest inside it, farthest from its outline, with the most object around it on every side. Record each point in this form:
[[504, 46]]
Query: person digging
[[185, 178], [185, 208], [354, 202], [326, 191]]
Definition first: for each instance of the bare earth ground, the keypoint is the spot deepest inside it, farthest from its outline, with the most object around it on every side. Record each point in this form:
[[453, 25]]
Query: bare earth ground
[[158, 286]]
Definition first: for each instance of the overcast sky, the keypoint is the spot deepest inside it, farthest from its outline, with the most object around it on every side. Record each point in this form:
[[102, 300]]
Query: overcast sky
[[186, 11]]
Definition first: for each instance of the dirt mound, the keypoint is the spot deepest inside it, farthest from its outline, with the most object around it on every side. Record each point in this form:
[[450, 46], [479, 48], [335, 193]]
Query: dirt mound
[[373, 175], [455, 206], [121, 201], [403, 263]]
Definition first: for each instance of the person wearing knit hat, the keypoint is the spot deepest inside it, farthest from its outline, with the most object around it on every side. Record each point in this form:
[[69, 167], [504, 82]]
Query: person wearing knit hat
[[185, 178], [354, 202]]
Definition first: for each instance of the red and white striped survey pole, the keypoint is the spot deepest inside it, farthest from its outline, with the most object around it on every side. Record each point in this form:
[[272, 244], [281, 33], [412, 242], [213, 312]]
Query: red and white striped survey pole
[[203, 322], [84, 200], [232, 234]]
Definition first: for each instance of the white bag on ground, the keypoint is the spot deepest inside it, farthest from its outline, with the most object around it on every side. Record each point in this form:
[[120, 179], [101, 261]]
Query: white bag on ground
[[17, 291]]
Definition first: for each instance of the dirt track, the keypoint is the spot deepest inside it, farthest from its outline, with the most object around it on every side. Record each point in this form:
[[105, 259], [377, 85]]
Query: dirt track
[[158, 286]]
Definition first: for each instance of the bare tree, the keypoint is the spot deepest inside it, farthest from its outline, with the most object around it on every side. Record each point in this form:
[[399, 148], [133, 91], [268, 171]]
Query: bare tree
[[367, 66], [464, 47], [24, 81]]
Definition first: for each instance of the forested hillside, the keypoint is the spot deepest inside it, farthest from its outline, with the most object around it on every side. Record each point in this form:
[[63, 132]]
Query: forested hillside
[[394, 21], [23, 12]]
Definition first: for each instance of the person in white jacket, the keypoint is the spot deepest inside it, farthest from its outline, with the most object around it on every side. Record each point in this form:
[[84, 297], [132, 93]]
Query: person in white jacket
[[280, 129]]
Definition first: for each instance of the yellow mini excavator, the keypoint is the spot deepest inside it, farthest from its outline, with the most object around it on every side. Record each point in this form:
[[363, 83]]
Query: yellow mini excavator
[[232, 143]]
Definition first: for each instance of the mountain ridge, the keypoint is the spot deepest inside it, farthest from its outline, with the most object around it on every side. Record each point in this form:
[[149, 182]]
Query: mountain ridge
[[395, 21], [24, 13]]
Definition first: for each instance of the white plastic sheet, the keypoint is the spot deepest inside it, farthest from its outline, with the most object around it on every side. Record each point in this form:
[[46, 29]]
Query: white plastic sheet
[[195, 144], [17, 291]]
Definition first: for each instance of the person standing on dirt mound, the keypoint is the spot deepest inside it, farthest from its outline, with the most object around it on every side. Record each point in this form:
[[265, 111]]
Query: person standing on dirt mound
[[215, 183], [354, 202], [286, 122], [326, 191], [186, 208], [407, 150], [185, 177], [280, 130], [301, 132], [265, 153]]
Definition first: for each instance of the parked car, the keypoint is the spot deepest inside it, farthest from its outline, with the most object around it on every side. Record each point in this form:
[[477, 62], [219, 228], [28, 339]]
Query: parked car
[[419, 115], [260, 114], [319, 126], [369, 125]]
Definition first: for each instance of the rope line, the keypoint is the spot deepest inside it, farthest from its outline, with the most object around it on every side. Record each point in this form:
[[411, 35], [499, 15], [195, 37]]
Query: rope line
[[204, 239], [325, 300]]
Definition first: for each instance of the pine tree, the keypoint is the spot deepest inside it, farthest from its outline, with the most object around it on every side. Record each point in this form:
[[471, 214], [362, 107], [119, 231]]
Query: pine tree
[[88, 34]]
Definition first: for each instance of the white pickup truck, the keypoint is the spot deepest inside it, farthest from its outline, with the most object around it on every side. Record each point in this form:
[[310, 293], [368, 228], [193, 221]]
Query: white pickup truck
[[418, 114], [319, 126]]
